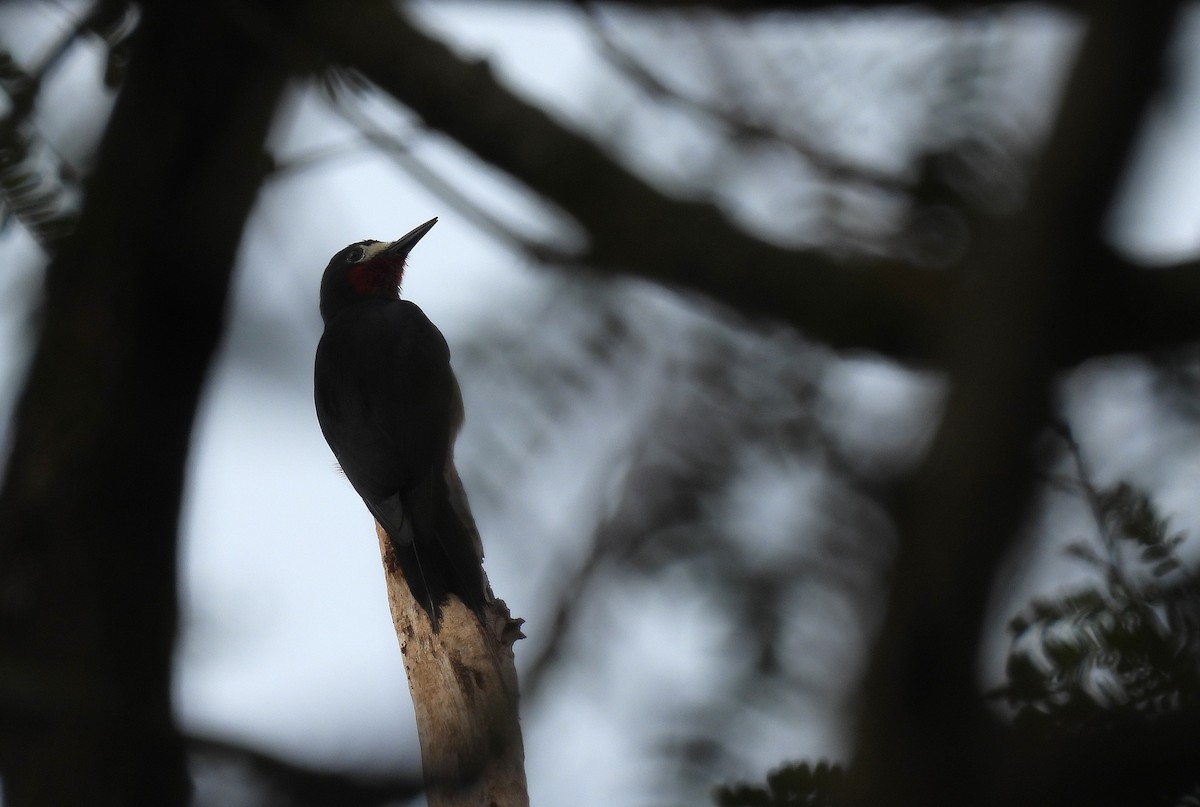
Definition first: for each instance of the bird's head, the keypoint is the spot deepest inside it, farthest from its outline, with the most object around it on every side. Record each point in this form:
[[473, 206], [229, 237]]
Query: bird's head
[[367, 269]]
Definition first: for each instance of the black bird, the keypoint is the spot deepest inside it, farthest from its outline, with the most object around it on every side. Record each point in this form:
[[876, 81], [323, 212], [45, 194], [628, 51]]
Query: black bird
[[390, 408]]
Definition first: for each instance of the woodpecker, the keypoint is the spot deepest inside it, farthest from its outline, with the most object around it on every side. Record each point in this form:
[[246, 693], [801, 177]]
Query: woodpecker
[[390, 409]]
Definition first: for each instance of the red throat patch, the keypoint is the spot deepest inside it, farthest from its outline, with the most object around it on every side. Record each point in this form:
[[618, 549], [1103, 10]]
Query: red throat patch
[[378, 276]]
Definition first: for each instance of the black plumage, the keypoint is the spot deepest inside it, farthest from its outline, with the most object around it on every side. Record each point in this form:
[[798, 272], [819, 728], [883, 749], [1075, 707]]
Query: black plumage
[[390, 409]]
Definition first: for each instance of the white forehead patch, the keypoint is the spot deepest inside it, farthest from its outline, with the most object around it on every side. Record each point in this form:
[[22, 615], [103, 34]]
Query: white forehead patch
[[371, 250]]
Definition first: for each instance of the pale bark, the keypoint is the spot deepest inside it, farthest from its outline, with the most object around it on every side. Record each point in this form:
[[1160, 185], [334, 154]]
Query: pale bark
[[463, 681]]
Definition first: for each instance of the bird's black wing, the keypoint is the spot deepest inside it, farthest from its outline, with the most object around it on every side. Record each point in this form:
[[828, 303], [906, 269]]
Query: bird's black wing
[[384, 395], [388, 404]]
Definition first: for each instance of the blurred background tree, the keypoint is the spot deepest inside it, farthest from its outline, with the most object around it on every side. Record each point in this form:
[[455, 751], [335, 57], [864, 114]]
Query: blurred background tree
[[765, 428]]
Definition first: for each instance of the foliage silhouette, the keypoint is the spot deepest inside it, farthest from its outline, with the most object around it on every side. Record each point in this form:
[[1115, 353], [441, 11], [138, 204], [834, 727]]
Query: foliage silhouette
[[794, 785], [1123, 647], [1118, 655]]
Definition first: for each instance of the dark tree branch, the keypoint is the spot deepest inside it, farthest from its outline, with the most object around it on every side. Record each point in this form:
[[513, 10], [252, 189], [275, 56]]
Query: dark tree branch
[[1123, 307], [881, 305], [399, 150], [634, 227], [298, 785]]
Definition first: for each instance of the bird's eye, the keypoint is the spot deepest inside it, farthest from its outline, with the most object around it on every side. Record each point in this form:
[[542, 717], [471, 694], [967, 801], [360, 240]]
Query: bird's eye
[[355, 255]]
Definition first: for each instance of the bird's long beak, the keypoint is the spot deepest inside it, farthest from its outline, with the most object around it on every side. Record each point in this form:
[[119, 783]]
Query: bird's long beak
[[404, 243]]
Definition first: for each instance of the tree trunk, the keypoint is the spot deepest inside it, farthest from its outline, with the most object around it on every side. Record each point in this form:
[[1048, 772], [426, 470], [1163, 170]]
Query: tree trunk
[[131, 314]]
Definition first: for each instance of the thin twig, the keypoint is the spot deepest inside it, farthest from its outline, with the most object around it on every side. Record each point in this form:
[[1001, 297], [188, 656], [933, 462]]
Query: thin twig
[[399, 150], [1116, 574], [740, 128]]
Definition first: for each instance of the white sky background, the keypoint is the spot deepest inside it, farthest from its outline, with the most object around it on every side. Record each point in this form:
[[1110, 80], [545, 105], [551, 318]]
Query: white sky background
[[289, 645]]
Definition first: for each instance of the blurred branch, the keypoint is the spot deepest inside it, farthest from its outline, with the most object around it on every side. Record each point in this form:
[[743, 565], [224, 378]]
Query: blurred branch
[[297, 785], [29, 193], [1123, 306], [730, 398], [633, 227], [572, 594], [109, 19], [739, 127], [884, 305], [31, 189], [36, 183], [398, 149], [669, 479]]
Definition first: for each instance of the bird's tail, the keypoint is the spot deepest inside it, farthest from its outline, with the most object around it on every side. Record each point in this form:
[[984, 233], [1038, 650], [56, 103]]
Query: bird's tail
[[438, 548]]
